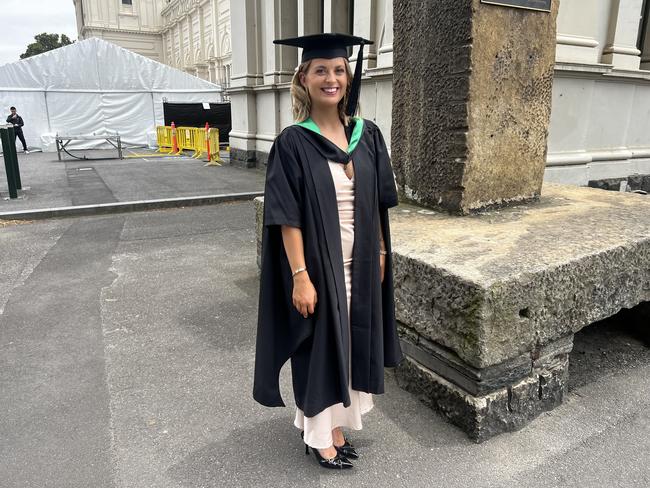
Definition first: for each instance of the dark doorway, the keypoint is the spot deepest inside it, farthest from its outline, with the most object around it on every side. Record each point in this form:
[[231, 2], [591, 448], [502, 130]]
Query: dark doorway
[[197, 114]]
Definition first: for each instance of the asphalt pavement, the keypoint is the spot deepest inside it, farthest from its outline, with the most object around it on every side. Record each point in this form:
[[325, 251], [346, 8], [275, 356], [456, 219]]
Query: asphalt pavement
[[126, 359], [104, 179]]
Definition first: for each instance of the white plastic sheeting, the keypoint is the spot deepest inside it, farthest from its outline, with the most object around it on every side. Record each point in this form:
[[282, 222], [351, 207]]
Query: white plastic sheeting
[[93, 86]]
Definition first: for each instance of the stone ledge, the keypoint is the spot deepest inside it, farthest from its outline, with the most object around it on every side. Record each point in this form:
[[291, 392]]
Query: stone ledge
[[504, 410], [496, 285]]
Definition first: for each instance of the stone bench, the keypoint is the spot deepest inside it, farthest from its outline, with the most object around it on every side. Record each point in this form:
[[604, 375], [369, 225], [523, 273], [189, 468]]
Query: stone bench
[[488, 304]]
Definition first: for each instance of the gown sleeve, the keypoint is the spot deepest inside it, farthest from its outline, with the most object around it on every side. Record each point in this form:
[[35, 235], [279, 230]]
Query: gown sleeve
[[387, 192], [283, 188], [279, 332], [387, 197]]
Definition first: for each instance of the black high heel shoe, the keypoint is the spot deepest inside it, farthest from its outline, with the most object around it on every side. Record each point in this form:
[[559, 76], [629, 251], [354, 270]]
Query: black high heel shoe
[[347, 450], [337, 462]]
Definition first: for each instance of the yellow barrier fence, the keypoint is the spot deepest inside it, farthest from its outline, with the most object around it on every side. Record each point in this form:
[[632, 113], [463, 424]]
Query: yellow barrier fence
[[189, 139], [202, 148], [164, 138], [186, 139]]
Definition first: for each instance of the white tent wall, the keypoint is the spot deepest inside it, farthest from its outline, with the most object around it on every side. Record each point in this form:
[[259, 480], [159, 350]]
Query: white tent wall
[[31, 106], [74, 113], [93, 86], [129, 112]]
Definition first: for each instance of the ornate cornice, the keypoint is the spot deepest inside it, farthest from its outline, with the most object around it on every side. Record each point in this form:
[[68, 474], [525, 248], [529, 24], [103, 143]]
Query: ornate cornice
[[177, 9], [87, 28]]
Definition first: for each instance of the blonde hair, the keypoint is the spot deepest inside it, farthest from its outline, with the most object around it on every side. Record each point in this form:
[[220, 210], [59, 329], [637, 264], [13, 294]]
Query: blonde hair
[[301, 102]]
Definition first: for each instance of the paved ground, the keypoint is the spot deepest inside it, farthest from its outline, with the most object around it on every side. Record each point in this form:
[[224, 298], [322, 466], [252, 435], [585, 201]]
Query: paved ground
[[52, 183], [126, 356]]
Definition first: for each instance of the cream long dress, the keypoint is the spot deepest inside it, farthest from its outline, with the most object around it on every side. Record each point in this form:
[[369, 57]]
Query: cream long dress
[[318, 429]]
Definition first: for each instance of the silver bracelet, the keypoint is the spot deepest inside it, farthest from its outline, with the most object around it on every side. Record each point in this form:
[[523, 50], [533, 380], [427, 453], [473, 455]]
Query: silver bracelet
[[383, 253], [299, 270]]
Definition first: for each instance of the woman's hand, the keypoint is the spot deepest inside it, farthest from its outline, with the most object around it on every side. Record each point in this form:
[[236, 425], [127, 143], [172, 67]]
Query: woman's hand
[[304, 294], [382, 266]]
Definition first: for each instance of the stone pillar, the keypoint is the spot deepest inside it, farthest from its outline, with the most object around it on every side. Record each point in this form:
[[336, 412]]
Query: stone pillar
[[470, 124], [577, 31], [620, 49], [470, 119], [202, 71], [212, 71], [645, 52], [310, 17], [365, 12], [181, 50], [336, 16], [246, 74], [202, 57], [190, 39], [280, 21], [385, 40]]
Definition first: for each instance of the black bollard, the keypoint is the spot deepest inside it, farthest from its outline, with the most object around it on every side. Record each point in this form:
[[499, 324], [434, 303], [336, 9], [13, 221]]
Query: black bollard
[[14, 159], [9, 165]]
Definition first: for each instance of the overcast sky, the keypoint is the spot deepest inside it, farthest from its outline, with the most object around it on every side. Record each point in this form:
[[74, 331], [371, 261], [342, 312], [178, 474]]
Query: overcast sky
[[21, 20]]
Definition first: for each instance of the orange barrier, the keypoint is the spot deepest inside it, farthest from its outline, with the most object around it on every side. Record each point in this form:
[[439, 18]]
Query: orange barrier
[[175, 149]]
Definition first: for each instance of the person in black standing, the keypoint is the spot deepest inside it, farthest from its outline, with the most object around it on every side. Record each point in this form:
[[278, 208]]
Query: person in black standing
[[18, 123], [326, 287]]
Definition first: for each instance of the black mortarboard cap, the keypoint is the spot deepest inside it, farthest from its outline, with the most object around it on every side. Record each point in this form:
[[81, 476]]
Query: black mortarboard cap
[[328, 46]]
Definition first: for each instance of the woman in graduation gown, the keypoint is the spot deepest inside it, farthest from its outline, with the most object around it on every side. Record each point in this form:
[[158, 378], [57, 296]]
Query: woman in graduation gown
[[326, 291]]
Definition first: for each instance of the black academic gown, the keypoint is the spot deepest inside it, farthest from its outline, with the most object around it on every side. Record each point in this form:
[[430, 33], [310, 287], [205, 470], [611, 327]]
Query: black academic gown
[[300, 192]]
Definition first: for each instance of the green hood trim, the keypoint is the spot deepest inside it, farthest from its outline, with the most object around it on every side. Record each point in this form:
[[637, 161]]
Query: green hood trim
[[356, 131]]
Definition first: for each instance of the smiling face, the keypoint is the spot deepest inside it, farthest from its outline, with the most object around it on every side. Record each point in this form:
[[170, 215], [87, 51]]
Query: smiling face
[[326, 81]]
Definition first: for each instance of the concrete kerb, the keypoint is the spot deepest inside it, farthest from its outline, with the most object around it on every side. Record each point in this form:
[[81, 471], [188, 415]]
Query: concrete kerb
[[122, 207]]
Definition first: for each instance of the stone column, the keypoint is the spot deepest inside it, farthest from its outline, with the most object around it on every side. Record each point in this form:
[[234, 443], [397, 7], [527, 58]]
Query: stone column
[[212, 71], [470, 119], [470, 123], [577, 31], [310, 17], [246, 74], [645, 49], [385, 41], [181, 50], [335, 15], [202, 71], [620, 49], [202, 56], [365, 13], [163, 54], [280, 21], [190, 39]]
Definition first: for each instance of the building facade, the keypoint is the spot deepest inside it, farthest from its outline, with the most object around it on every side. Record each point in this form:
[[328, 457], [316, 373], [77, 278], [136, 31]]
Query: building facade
[[190, 35], [600, 122]]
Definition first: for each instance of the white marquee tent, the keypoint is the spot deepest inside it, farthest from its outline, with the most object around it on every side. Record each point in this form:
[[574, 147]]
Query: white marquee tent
[[93, 86]]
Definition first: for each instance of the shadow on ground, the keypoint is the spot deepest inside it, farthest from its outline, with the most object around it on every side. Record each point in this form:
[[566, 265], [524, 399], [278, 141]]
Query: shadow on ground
[[236, 458], [611, 346]]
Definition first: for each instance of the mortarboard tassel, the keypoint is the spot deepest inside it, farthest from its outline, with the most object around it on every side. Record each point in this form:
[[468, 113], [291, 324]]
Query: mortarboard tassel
[[356, 84]]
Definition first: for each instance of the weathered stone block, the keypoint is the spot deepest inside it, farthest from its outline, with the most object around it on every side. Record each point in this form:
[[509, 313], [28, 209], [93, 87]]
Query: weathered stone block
[[482, 416], [496, 285], [248, 158], [486, 82]]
